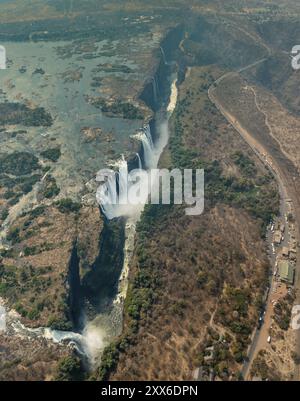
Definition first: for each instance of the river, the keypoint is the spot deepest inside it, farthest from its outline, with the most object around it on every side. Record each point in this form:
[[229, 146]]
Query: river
[[106, 326]]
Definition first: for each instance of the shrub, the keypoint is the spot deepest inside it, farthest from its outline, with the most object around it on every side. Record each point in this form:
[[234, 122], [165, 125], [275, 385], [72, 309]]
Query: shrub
[[109, 361], [52, 154], [67, 205], [69, 369], [18, 163], [14, 235], [30, 250], [38, 211], [33, 314], [56, 323], [4, 214], [51, 190]]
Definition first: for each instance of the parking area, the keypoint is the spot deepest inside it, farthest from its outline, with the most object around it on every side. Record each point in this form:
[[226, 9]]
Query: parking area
[[282, 250]]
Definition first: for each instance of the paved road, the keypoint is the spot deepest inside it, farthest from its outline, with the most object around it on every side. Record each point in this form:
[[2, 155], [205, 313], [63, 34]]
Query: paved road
[[287, 175]]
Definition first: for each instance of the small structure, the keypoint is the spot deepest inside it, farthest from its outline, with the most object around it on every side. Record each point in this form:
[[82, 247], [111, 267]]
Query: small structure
[[277, 237], [286, 272], [285, 252], [210, 352], [198, 374]]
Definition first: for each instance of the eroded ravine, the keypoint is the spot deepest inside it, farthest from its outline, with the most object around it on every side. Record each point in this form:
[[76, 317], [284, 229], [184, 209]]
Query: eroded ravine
[[99, 331]]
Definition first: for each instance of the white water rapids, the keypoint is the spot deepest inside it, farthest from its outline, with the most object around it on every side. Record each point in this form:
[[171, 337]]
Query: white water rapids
[[100, 331]]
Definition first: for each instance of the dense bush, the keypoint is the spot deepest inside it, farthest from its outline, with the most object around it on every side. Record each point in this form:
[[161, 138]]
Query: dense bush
[[52, 154], [70, 369], [50, 189], [56, 323], [13, 235], [67, 205], [18, 163], [119, 108], [16, 113], [246, 165], [109, 361], [38, 211]]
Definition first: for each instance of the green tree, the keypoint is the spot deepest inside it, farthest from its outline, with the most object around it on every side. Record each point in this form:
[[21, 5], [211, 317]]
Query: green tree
[[69, 369]]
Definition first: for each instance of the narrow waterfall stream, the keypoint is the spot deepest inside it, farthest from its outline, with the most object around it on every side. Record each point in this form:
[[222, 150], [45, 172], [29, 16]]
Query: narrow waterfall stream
[[101, 330]]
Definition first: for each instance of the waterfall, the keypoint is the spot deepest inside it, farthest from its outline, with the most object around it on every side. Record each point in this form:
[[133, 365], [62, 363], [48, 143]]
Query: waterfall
[[107, 196], [114, 201], [155, 89], [148, 146], [88, 344], [147, 132], [149, 149], [164, 55], [107, 325], [113, 195], [123, 181], [139, 160]]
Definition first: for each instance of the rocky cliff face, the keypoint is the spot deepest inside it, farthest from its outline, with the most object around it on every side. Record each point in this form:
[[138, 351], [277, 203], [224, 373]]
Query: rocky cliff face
[[204, 295]]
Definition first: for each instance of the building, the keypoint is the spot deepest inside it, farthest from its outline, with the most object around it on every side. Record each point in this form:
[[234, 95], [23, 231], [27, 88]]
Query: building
[[210, 351], [286, 272], [277, 237], [198, 374], [293, 254], [285, 252]]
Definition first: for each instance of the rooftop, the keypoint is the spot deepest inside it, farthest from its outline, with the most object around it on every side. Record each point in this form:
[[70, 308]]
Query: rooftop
[[286, 271]]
